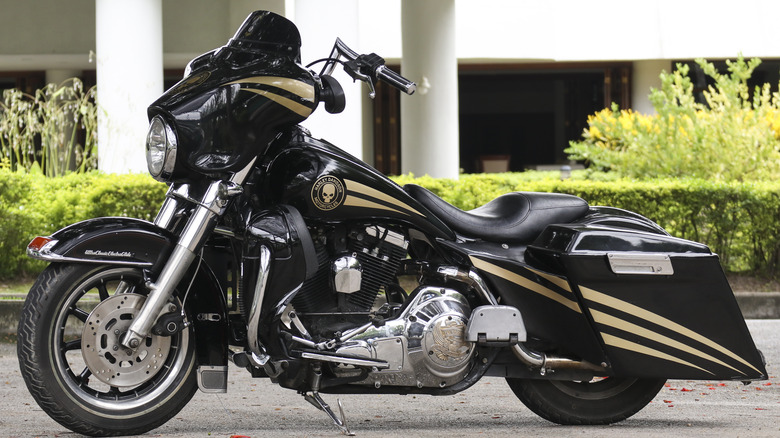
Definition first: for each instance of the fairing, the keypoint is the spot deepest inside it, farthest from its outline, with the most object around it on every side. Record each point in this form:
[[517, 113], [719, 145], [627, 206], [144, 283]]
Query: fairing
[[237, 98]]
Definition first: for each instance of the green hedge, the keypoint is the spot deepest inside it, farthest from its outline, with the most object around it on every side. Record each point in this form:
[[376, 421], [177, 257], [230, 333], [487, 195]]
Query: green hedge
[[33, 205], [739, 221]]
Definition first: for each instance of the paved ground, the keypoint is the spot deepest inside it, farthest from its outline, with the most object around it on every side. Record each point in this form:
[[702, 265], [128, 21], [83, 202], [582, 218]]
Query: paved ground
[[256, 408]]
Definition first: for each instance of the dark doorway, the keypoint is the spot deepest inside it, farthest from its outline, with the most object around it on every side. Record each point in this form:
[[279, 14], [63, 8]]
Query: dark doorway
[[528, 117], [523, 115]]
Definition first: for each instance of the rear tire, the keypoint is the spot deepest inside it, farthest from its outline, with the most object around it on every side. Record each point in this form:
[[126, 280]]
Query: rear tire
[[73, 382], [600, 401]]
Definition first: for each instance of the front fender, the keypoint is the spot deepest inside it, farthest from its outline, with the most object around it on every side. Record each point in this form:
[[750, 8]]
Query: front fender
[[113, 240], [135, 242]]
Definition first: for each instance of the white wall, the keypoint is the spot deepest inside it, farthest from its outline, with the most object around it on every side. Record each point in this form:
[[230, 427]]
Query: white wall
[[59, 35], [34, 31]]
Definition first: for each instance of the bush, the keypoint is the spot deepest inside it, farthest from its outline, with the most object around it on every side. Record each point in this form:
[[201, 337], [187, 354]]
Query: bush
[[729, 137], [739, 221], [32, 205], [53, 131]]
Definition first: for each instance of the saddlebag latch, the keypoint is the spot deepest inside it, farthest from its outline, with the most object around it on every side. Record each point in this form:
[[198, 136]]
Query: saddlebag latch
[[496, 326]]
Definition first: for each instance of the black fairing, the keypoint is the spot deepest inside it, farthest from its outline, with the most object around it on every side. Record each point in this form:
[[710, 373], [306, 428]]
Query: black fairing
[[237, 98]]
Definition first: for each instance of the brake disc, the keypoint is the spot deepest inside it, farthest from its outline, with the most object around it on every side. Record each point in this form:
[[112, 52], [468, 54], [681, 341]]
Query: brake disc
[[105, 356]]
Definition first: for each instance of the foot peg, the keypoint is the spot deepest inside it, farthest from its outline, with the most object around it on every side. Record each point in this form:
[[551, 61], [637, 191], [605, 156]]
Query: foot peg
[[314, 398]]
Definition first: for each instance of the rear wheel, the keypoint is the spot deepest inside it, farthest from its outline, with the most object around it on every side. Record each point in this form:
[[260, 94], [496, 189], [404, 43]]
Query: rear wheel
[[599, 401], [76, 369]]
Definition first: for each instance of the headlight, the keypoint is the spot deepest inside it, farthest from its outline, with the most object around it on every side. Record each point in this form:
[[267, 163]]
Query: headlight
[[160, 149]]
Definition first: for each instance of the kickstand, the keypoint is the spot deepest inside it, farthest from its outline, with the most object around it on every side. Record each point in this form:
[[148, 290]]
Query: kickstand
[[314, 398]]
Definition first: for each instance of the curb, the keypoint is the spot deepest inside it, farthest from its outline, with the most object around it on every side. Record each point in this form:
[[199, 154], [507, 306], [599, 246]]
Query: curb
[[754, 305]]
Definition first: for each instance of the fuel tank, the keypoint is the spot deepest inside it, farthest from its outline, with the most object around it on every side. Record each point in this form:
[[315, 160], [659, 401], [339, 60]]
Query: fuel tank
[[329, 185]]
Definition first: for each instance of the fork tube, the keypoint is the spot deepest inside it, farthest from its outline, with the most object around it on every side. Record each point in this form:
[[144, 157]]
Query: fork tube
[[195, 233]]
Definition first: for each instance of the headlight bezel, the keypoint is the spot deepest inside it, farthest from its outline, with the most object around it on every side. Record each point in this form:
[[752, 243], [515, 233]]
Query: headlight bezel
[[161, 147]]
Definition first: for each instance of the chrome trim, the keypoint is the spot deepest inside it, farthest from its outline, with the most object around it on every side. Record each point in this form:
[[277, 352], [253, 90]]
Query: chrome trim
[[471, 278], [206, 376], [168, 210], [51, 257], [347, 274], [640, 264], [254, 313], [378, 364]]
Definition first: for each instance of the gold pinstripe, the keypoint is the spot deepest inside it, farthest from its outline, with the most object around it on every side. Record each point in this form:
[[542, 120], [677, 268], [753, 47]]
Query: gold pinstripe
[[603, 318], [524, 282], [299, 88], [291, 105], [558, 281], [641, 349], [639, 312], [363, 189], [354, 201]]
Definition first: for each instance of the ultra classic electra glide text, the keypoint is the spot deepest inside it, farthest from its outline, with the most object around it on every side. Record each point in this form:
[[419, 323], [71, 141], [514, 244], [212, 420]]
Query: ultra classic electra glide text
[[299, 263]]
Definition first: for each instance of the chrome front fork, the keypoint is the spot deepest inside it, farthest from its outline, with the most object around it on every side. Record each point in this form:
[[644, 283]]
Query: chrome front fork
[[196, 232]]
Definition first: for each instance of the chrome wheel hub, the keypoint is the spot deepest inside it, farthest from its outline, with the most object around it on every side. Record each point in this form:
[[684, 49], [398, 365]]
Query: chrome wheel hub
[[105, 356]]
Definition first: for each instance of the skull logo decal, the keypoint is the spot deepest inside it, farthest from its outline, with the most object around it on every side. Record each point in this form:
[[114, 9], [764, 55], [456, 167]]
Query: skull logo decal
[[327, 192]]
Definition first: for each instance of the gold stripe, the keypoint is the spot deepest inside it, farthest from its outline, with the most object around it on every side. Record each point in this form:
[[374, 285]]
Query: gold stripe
[[291, 105], [639, 312], [368, 191], [558, 281], [603, 318], [641, 349], [299, 88], [524, 282], [354, 201]]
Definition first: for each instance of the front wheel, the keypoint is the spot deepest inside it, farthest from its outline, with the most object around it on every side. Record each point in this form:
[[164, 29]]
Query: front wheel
[[599, 401], [76, 369]]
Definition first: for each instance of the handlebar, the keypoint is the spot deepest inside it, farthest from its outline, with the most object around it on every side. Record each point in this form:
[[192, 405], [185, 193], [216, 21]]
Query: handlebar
[[367, 68], [396, 80]]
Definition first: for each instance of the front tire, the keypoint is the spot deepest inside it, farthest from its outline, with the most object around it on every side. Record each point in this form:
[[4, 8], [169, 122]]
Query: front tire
[[599, 401], [73, 366]]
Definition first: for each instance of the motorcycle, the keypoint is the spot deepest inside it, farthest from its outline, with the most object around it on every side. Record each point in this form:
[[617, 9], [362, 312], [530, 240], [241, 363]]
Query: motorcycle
[[297, 262]]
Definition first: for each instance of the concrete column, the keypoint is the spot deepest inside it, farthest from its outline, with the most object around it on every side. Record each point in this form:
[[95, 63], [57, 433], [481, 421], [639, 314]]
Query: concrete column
[[319, 24], [646, 75], [238, 10], [129, 51], [57, 76], [429, 119]]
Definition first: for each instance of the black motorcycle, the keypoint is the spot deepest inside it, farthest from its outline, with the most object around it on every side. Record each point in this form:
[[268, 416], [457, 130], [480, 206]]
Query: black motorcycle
[[295, 261]]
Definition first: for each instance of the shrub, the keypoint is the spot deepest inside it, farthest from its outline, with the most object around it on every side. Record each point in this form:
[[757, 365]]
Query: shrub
[[32, 205], [739, 221], [53, 131], [729, 137]]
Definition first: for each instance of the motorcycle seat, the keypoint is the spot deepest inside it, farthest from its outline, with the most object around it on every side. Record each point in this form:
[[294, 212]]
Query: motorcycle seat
[[517, 217]]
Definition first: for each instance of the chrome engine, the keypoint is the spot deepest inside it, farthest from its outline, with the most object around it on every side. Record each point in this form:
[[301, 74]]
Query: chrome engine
[[425, 345]]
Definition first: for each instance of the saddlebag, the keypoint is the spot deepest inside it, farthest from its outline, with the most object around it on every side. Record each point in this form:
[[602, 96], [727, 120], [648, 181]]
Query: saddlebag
[[660, 306]]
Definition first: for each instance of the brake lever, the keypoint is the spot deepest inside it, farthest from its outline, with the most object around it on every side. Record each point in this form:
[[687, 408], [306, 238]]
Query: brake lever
[[354, 70]]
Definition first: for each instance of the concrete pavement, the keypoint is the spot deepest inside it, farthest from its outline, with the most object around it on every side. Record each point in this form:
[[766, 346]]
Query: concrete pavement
[[257, 408]]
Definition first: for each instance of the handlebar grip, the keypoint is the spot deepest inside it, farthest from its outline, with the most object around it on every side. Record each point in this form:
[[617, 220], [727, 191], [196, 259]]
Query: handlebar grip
[[389, 76]]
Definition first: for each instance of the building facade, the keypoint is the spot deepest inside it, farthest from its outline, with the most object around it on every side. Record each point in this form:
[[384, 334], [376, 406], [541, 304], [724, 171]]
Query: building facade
[[504, 83]]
